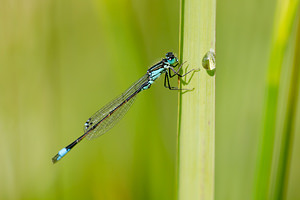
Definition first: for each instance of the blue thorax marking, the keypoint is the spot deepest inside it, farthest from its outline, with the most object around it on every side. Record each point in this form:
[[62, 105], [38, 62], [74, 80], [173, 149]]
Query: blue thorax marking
[[153, 75]]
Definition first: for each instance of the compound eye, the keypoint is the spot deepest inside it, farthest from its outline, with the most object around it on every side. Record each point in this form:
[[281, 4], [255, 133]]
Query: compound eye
[[171, 61], [170, 56]]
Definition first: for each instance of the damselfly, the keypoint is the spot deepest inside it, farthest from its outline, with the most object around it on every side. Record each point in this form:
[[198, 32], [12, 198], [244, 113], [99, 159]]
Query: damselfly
[[105, 118]]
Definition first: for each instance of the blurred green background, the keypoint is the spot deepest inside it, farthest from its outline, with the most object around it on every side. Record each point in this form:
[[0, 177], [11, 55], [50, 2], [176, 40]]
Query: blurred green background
[[60, 61]]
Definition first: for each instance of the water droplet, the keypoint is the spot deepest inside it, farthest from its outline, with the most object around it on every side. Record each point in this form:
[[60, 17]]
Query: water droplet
[[209, 60]]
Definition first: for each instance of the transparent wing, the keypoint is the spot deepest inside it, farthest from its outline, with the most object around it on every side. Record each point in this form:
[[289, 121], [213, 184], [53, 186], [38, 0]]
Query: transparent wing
[[110, 114]]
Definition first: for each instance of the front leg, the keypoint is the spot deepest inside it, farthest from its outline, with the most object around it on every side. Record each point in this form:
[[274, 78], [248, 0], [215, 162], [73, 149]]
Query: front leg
[[176, 72], [167, 83], [170, 74]]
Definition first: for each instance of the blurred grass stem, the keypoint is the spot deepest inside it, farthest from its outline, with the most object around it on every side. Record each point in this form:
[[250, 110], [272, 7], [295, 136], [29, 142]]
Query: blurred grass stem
[[264, 188], [289, 125]]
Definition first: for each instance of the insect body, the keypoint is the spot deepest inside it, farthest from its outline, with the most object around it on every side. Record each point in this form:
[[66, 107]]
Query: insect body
[[105, 118]]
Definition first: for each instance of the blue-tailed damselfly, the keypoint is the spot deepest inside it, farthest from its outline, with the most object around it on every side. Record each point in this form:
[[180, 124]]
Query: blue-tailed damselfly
[[105, 118]]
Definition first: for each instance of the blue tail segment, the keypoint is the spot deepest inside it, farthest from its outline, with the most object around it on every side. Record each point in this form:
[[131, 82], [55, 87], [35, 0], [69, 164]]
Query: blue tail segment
[[65, 150], [60, 154]]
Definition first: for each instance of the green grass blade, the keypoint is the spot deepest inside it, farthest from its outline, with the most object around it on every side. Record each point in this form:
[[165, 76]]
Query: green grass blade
[[196, 129], [282, 177], [283, 21]]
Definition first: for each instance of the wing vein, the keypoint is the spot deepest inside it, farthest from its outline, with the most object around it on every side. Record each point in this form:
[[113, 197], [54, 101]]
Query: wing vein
[[110, 114]]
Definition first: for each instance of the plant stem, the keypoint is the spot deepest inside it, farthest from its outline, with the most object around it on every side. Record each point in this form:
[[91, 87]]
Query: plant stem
[[284, 18], [287, 136], [196, 127]]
